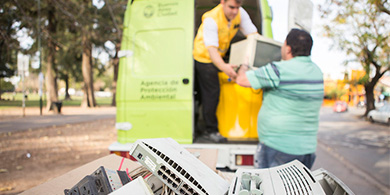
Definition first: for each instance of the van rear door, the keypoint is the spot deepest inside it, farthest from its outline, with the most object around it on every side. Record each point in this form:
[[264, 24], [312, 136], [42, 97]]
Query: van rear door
[[155, 80]]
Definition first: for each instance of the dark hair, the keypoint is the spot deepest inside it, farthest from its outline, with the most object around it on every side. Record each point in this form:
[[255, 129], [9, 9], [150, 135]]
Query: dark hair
[[300, 42], [237, 1]]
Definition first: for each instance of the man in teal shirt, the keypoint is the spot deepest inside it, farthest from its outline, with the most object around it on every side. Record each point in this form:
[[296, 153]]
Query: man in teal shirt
[[292, 98]]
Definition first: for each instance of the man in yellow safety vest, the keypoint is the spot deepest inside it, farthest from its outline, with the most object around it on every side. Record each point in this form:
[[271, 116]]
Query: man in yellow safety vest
[[211, 43]]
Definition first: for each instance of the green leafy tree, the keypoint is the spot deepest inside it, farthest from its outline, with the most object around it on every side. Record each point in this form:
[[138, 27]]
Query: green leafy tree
[[86, 36], [27, 14], [361, 29], [6, 86], [80, 17], [110, 26], [69, 57], [93, 27], [9, 45], [70, 60], [51, 48], [69, 30]]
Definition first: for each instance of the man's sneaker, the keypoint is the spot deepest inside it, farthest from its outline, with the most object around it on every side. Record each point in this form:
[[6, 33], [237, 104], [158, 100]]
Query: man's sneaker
[[216, 137]]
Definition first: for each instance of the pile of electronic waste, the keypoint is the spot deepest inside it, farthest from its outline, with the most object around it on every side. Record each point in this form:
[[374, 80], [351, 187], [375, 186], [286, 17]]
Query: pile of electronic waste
[[168, 168]]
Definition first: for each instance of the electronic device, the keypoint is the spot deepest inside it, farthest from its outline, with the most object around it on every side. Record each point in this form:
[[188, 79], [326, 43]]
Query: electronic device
[[286, 179], [85, 186], [155, 184], [181, 171], [100, 182], [136, 187], [330, 183], [255, 51]]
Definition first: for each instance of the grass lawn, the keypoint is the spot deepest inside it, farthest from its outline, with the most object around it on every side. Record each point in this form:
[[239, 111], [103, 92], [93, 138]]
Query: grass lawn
[[9, 100]]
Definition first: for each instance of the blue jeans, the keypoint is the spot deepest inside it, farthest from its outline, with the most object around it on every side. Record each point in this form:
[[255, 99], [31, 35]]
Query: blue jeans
[[266, 157]]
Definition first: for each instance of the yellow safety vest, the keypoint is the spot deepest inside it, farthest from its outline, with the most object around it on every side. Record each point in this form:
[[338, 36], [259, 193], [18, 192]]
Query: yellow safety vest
[[225, 34]]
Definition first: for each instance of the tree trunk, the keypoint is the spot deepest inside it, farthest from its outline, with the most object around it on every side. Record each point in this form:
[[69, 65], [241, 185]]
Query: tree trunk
[[89, 97], [115, 63], [369, 87], [50, 73], [50, 81], [0, 87], [370, 98], [67, 96]]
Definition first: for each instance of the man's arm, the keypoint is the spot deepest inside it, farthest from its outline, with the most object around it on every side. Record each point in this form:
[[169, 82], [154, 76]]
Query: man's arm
[[246, 27], [242, 79], [210, 32], [220, 64]]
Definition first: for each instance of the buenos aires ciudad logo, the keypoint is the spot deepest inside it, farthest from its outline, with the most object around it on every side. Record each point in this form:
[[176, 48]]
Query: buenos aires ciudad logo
[[148, 11]]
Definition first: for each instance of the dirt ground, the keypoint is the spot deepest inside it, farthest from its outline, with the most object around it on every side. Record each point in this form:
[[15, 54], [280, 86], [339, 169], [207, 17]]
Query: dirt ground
[[32, 157]]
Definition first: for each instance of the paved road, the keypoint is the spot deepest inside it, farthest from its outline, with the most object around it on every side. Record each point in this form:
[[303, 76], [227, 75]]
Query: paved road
[[68, 116], [355, 150]]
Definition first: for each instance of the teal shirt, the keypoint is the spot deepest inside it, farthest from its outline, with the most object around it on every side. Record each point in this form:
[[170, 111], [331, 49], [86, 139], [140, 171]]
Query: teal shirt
[[293, 92]]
